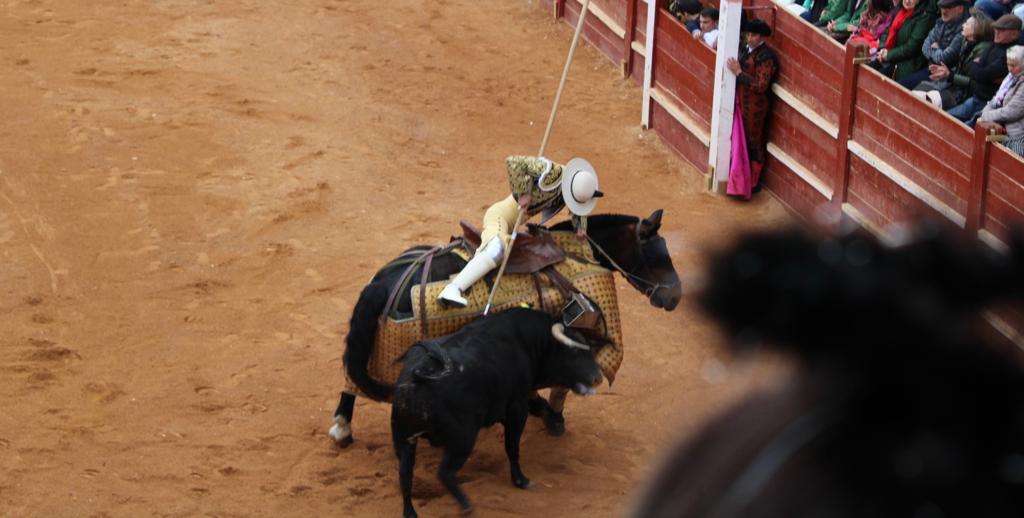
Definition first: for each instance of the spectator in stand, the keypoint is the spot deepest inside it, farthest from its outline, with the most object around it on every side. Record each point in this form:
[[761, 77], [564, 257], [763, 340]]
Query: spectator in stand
[[812, 10], [899, 55], [991, 9], [1018, 11], [708, 31], [1007, 107], [688, 12], [833, 9], [987, 71], [874, 22], [995, 8], [943, 43], [755, 72], [949, 85], [846, 23]]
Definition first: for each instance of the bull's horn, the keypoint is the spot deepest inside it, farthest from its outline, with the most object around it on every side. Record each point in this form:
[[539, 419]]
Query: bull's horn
[[558, 331]]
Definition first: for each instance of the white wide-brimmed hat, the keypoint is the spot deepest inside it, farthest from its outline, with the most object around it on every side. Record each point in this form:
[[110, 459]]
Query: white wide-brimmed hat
[[579, 187]]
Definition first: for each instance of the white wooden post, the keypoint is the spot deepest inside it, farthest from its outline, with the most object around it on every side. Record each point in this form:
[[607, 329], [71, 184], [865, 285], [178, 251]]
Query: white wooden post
[[725, 93], [645, 114]]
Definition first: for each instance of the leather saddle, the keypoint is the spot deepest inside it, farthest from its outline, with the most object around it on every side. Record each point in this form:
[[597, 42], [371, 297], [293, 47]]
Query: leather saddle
[[533, 250]]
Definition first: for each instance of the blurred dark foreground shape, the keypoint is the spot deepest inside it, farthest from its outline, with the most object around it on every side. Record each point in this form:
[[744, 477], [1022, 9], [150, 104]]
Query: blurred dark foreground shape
[[900, 404]]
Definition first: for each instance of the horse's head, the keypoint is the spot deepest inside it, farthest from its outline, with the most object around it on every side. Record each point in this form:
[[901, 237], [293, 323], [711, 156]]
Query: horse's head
[[632, 246]]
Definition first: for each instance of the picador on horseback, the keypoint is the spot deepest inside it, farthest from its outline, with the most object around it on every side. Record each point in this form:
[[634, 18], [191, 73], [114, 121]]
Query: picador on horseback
[[539, 186], [566, 270]]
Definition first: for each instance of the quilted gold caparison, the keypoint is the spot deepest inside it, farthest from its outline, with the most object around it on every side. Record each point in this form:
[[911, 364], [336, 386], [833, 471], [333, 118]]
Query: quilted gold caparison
[[395, 336]]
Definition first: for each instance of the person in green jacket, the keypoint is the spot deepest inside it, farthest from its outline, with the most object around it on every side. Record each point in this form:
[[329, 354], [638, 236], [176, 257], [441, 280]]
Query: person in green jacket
[[846, 23], [899, 53], [833, 9]]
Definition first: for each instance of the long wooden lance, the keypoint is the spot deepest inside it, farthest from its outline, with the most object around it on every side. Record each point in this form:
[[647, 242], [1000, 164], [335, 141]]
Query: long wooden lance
[[543, 145]]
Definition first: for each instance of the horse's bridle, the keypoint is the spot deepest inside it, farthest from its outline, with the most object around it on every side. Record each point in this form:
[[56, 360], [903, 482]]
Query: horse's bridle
[[653, 287]]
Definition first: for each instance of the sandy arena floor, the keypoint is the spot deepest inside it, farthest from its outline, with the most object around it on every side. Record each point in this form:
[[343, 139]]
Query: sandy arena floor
[[192, 194]]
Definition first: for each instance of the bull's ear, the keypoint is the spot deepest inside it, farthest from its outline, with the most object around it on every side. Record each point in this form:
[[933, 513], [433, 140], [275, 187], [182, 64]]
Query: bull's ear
[[650, 226]]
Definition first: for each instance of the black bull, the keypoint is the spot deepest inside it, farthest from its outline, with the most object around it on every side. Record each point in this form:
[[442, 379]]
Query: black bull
[[453, 386], [628, 244]]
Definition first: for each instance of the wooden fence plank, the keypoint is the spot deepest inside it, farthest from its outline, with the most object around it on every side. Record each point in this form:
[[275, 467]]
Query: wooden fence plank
[[678, 139], [999, 216], [870, 215], [916, 163], [630, 24], [595, 32], [1004, 197], [817, 44], [611, 12], [691, 90], [881, 196], [913, 116], [787, 183], [810, 146], [1010, 164], [675, 41]]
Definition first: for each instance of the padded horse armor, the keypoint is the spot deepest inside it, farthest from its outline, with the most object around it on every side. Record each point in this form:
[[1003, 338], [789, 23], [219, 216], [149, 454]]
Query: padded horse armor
[[573, 259]]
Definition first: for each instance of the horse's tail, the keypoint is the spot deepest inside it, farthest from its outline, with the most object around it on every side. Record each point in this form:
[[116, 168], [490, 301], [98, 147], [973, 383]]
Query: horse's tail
[[359, 342]]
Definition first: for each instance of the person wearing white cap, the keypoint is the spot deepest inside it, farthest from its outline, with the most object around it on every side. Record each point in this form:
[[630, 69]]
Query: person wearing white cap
[[539, 186]]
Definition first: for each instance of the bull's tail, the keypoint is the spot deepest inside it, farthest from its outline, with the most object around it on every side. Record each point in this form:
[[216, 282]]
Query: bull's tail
[[359, 342]]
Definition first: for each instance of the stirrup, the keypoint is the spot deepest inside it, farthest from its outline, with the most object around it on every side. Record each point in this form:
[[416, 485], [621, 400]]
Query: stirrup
[[451, 297]]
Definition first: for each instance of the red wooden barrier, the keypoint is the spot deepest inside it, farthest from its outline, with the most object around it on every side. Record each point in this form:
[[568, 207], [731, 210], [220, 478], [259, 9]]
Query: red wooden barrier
[[843, 141], [677, 137], [1004, 193], [813, 65], [627, 47], [636, 70], [841, 174], [682, 76], [594, 30], [838, 133]]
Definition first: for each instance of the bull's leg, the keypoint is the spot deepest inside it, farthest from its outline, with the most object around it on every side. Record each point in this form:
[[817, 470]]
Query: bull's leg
[[341, 430], [405, 450], [554, 421], [537, 405], [557, 398], [515, 421], [455, 456]]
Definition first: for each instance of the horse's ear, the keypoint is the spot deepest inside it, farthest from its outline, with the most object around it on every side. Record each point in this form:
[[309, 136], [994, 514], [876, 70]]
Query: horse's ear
[[650, 226]]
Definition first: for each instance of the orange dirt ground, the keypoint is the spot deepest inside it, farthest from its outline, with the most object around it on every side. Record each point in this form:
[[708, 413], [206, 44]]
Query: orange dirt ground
[[192, 194]]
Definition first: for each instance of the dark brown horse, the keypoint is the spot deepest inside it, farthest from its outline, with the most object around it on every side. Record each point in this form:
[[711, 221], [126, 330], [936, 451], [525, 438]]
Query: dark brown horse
[[627, 244], [899, 405]]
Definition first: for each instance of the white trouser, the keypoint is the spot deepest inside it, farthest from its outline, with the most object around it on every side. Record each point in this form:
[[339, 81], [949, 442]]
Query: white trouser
[[485, 260]]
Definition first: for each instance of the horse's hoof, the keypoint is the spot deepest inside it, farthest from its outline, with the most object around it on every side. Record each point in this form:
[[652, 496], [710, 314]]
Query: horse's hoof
[[344, 442], [467, 510], [341, 435], [523, 483]]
